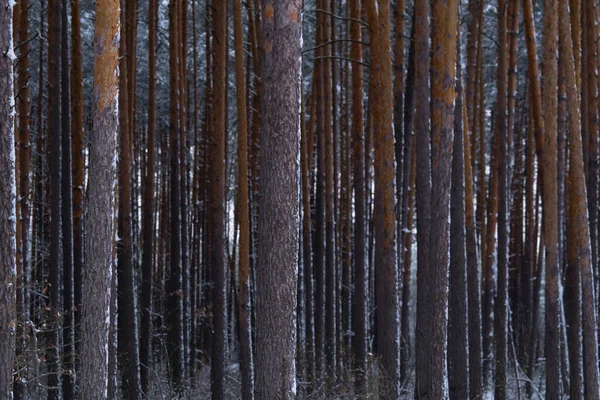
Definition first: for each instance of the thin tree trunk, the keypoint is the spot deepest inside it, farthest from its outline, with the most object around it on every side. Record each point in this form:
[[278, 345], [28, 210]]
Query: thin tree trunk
[[242, 209], [148, 208], [424, 325], [550, 204], [68, 358], [359, 309], [54, 135], [578, 232], [217, 200], [473, 273], [173, 285], [501, 303], [23, 160], [458, 360], [408, 204], [8, 221], [78, 166], [127, 333]]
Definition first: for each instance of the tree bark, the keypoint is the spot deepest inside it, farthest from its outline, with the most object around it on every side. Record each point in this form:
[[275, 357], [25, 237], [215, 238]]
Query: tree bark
[[96, 299], [278, 208], [386, 271], [243, 210], [550, 223], [8, 206]]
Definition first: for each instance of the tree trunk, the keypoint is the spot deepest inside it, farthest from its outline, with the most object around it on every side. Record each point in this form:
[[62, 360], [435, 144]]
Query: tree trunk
[[278, 209], [78, 166], [23, 161], [359, 309], [424, 325], [8, 208], [550, 223], [54, 134], [242, 209], [173, 285], [386, 281], [458, 371], [578, 232], [408, 204], [148, 209], [217, 200], [444, 23], [473, 273], [501, 303], [93, 378], [127, 333]]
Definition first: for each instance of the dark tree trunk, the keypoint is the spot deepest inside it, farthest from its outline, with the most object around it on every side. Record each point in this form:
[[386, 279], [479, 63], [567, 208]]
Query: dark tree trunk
[[68, 356], [577, 226], [8, 221], [173, 285], [148, 209], [217, 200], [54, 115], [128, 356], [77, 168], [359, 306], [501, 303], [458, 361]]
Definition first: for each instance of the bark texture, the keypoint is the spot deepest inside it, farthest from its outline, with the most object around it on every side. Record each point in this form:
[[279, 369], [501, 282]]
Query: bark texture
[[93, 377], [278, 217]]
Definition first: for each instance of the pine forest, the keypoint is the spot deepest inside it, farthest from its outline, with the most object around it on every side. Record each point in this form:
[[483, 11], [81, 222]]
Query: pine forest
[[299, 199]]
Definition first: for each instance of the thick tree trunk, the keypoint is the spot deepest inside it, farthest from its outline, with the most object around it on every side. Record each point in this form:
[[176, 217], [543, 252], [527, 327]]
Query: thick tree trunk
[[444, 23], [278, 208], [96, 299]]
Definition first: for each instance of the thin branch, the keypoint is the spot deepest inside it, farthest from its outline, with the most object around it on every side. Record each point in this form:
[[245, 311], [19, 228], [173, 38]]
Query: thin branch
[[359, 21], [332, 42], [340, 58]]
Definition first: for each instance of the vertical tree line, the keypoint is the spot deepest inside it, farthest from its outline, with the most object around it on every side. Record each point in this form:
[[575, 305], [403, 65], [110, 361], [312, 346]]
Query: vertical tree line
[[282, 199]]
